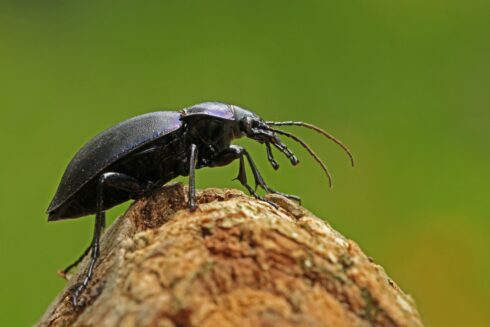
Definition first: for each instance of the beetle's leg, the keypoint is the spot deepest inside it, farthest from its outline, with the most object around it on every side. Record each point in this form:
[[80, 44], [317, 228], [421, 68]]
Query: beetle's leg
[[99, 216], [259, 180], [237, 152], [242, 178], [192, 177], [227, 156], [234, 152], [65, 271], [115, 180]]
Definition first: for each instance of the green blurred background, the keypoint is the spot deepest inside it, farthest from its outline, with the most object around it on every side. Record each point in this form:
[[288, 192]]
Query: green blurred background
[[404, 83]]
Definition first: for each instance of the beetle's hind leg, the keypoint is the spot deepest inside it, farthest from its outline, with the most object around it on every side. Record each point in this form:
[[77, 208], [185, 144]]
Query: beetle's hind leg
[[114, 180], [64, 273]]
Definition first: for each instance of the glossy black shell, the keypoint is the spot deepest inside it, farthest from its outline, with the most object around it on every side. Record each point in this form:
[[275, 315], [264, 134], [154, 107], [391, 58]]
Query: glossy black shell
[[110, 146], [212, 109]]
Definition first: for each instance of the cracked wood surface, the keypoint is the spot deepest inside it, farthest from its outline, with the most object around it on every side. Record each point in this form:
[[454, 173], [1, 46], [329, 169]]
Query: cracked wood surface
[[235, 261]]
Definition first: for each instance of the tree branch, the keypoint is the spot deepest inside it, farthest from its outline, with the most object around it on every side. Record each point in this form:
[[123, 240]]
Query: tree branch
[[235, 261]]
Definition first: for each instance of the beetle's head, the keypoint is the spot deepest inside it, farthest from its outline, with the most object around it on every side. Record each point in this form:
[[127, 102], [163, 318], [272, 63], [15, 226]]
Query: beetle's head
[[247, 123], [254, 127]]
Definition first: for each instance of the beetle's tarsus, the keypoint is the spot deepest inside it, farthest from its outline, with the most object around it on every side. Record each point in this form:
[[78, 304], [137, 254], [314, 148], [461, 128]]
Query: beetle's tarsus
[[117, 181], [269, 202], [74, 298], [89, 273], [192, 207], [259, 197], [64, 273], [289, 196]]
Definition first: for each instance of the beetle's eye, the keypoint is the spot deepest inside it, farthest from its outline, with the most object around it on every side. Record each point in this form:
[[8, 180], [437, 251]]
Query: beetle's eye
[[248, 123]]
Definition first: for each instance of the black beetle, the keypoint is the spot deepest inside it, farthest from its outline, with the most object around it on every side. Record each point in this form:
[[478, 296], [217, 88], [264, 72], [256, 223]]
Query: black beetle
[[143, 153]]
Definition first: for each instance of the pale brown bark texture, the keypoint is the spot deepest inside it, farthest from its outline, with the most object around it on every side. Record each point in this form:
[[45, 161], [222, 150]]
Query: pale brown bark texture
[[235, 261]]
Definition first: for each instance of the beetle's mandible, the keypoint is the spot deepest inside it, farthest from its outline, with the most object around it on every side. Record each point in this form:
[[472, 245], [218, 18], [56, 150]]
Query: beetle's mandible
[[143, 153]]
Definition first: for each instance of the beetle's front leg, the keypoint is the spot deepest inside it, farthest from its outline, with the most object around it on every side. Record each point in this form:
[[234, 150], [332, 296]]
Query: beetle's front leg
[[236, 152], [229, 155], [259, 180]]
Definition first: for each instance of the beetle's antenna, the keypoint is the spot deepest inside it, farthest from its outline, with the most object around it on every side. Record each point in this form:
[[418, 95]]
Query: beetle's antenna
[[310, 150], [317, 129]]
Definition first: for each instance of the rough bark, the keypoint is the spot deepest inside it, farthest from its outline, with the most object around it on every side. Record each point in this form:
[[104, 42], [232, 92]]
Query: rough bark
[[235, 261]]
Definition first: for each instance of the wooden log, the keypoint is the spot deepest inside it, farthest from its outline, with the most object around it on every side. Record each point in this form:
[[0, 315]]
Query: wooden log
[[236, 261]]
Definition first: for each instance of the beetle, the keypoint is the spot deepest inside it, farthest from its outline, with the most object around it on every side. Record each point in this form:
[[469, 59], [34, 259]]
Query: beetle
[[142, 154]]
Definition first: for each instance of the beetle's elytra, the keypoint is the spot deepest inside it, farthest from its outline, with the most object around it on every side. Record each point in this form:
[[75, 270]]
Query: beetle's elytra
[[143, 153]]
